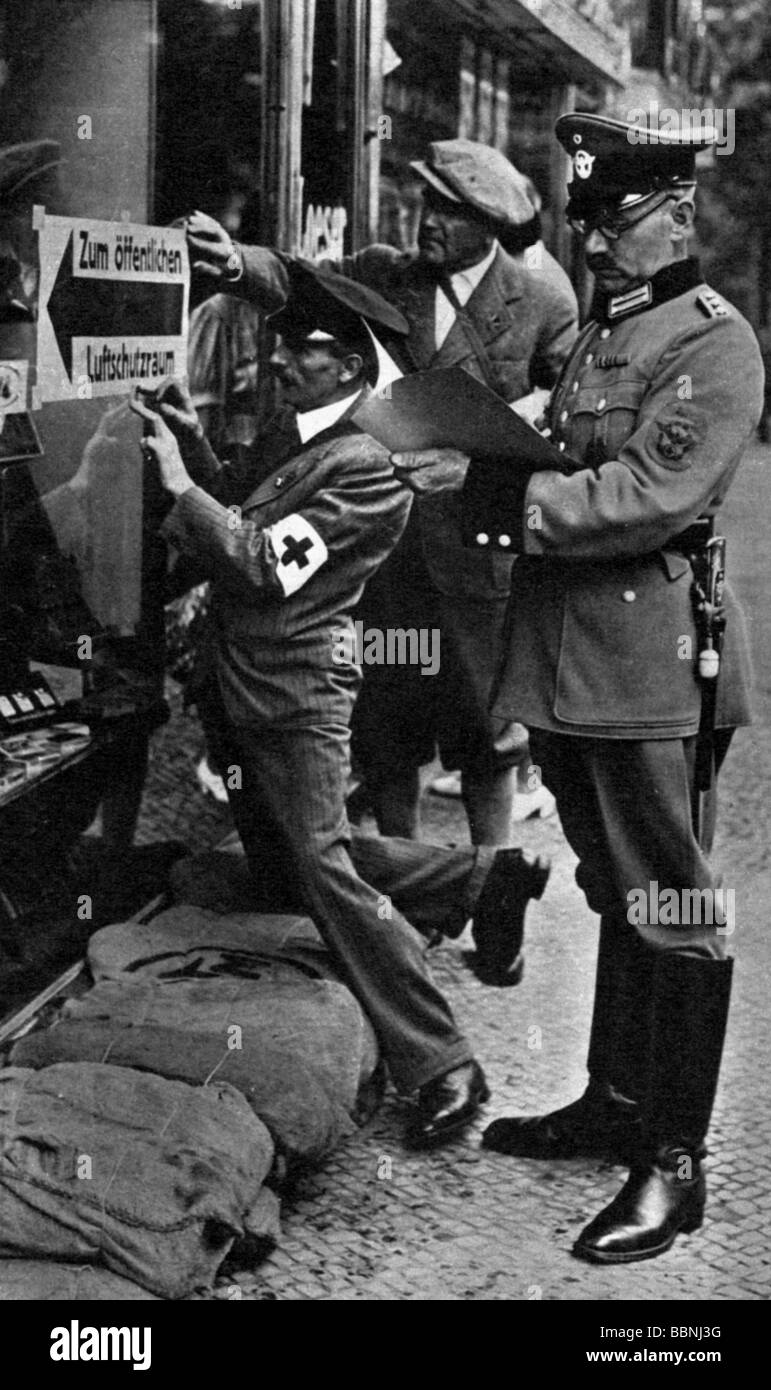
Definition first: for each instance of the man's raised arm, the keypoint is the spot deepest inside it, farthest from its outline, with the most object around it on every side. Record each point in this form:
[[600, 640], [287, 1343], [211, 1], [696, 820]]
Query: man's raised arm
[[251, 272]]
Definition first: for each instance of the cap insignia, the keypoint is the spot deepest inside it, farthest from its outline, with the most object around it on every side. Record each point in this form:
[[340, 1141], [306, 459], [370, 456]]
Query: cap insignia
[[582, 163]]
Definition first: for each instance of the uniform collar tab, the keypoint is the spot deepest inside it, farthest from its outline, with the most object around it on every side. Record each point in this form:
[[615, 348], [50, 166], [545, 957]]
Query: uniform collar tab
[[619, 305], [667, 283]]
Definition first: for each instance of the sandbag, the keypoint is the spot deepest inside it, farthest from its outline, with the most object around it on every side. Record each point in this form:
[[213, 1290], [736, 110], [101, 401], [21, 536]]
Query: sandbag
[[188, 939], [317, 1021], [292, 1098], [47, 1281], [150, 1177], [299, 1048]]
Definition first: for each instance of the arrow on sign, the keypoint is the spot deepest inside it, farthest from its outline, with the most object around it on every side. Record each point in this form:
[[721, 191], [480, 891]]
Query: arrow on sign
[[82, 307]]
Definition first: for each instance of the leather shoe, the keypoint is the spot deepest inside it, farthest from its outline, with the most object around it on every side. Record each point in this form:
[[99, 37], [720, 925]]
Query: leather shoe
[[658, 1200], [449, 1103], [600, 1124], [499, 917]]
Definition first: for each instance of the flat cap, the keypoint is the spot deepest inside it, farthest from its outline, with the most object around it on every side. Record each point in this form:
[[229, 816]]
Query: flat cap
[[466, 171], [323, 303], [617, 162], [20, 168]]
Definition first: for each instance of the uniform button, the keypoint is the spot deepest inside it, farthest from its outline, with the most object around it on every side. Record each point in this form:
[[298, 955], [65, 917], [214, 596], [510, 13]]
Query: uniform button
[[561, 448], [575, 386], [602, 404], [278, 482], [504, 540], [482, 538], [589, 358], [629, 596], [564, 416], [604, 332]]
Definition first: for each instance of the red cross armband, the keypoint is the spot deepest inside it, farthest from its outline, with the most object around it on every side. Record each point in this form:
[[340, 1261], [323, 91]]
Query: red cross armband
[[299, 552]]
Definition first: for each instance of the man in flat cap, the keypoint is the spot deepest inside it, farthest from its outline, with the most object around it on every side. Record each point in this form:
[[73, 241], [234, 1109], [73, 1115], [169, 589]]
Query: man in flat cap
[[510, 321], [614, 648], [288, 558]]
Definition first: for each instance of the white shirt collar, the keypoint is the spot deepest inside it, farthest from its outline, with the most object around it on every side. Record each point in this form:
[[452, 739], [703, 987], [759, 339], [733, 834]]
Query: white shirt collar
[[312, 422], [464, 282]]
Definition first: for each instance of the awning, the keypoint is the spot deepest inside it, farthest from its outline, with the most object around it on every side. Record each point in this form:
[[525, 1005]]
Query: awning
[[551, 34]]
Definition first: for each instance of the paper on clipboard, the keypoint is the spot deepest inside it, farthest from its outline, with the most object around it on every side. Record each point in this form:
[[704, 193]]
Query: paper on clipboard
[[447, 408]]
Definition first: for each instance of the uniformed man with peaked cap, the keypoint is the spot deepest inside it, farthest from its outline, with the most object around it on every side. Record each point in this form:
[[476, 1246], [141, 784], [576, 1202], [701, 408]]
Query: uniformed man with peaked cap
[[652, 413], [289, 549]]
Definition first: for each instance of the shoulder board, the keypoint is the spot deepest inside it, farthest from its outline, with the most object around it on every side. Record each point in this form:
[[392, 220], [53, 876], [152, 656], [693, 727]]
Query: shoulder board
[[712, 305]]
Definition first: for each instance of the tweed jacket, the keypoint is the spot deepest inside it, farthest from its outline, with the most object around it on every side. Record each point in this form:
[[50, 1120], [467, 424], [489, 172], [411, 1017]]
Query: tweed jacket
[[288, 562], [525, 316], [653, 412]]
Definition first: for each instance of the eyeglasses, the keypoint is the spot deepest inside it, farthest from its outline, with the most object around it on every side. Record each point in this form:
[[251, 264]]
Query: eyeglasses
[[613, 222]]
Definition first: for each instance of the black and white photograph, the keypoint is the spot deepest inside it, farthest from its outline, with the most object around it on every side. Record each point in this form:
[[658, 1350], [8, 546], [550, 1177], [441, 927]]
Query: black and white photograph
[[385, 689]]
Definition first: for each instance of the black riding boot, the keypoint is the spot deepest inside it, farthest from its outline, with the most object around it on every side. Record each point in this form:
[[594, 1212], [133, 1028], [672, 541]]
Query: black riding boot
[[605, 1121], [666, 1188]]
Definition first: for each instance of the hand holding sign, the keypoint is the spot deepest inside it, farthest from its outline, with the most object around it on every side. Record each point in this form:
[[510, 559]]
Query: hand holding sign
[[174, 402], [211, 248], [158, 442]]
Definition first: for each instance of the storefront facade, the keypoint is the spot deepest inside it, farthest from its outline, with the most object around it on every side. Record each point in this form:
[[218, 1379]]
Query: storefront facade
[[304, 114]]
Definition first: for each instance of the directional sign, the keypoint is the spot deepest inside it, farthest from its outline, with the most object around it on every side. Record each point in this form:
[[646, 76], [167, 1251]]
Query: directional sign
[[113, 306]]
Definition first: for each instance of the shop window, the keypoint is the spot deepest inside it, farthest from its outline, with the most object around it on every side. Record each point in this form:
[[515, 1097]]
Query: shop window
[[210, 75]]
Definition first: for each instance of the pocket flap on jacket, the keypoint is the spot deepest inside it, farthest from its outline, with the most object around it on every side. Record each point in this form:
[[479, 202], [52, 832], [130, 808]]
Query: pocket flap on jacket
[[616, 395]]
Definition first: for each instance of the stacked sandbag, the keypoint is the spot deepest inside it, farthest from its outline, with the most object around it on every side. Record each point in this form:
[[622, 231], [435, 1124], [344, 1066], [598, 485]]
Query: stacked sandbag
[[188, 939], [152, 1178], [243, 997], [46, 1281]]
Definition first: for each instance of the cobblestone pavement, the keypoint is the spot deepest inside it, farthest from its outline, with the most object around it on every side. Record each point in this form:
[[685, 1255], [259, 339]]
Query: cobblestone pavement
[[377, 1222]]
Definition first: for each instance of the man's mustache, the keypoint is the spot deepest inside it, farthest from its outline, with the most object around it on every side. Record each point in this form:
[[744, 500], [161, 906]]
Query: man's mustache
[[599, 263]]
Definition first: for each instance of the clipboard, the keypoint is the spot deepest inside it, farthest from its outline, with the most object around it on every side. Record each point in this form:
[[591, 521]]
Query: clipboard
[[447, 408]]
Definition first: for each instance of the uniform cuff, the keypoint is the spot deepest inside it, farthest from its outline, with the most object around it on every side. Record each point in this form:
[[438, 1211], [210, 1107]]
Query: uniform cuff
[[493, 501]]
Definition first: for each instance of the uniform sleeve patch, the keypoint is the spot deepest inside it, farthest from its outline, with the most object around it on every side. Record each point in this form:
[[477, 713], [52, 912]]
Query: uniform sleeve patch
[[299, 551], [672, 437]]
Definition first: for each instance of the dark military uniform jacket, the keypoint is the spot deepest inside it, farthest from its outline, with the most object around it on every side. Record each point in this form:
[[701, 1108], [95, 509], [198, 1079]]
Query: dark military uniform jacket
[[526, 320], [289, 561], [653, 412]]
